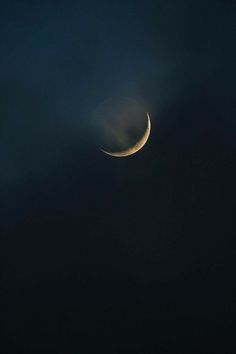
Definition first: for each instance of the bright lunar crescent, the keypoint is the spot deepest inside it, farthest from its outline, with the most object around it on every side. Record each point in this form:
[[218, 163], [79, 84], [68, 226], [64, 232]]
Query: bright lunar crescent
[[136, 147]]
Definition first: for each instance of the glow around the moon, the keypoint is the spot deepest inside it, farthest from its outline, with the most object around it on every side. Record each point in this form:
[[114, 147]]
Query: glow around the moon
[[134, 148]]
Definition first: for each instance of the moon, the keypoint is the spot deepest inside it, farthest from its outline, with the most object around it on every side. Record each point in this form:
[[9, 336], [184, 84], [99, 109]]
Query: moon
[[136, 147]]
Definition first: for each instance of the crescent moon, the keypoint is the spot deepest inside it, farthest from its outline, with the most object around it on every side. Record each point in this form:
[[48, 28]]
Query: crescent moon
[[136, 147]]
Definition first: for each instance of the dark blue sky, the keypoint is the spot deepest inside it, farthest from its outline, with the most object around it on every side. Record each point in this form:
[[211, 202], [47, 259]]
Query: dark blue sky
[[117, 255], [62, 61]]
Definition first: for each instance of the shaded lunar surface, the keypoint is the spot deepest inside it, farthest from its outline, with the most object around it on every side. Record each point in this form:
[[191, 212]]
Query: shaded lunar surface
[[134, 148]]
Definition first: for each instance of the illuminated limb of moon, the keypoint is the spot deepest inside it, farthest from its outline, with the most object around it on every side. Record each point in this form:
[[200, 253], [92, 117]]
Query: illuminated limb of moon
[[134, 148]]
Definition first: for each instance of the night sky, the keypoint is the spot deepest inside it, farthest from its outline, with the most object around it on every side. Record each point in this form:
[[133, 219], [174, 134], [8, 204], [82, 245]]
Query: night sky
[[117, 255]]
